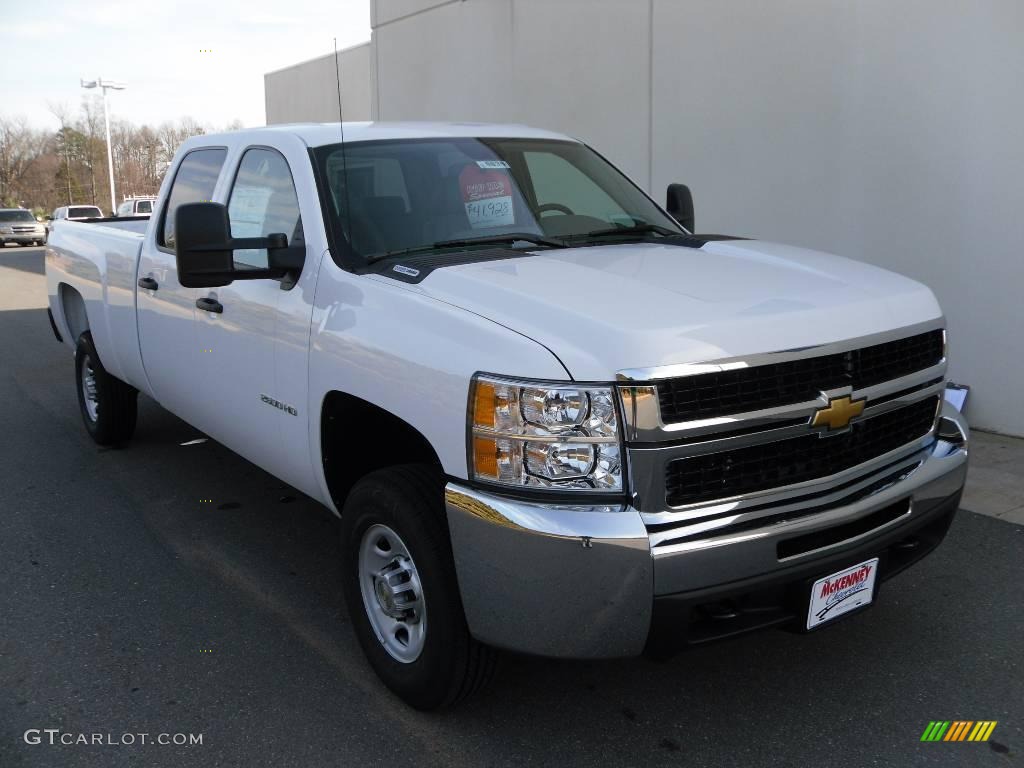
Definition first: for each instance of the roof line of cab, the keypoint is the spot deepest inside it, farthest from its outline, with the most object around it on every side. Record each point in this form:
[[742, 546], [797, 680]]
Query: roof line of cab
[[320, 134]]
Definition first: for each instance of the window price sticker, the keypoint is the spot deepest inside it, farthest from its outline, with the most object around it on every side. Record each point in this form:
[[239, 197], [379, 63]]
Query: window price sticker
[[496, 212], [487, 194]]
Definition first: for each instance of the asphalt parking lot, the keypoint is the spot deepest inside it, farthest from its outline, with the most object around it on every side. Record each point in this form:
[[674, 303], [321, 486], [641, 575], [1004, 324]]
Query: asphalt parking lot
[[131, 604]]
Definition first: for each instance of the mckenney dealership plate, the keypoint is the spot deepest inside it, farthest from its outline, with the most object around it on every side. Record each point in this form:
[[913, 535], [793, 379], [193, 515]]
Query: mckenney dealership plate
[[842, 592]]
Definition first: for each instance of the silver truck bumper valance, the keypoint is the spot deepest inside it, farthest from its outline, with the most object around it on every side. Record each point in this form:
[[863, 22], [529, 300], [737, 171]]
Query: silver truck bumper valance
[[581, 581]]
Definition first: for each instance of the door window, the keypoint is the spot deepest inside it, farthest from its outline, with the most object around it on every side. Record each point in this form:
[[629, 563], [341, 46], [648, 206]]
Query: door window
[[193, 183], [263, 202]]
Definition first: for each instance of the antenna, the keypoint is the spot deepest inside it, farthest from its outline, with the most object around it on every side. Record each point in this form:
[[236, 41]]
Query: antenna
[[344, 157]]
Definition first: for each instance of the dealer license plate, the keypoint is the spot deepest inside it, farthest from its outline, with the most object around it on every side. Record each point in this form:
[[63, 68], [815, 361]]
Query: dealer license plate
[[842, 592]]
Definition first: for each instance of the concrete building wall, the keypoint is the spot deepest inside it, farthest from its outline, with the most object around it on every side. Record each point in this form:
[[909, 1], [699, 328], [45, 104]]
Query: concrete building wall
[[308, 92], [886, 132]]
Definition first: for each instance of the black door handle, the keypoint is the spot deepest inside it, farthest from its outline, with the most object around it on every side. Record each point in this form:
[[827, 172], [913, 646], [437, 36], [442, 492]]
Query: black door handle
[[148, 283], [210, 305]]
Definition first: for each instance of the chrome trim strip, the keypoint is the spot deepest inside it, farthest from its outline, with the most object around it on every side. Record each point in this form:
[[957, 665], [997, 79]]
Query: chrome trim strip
[[731, 442], [727, 364], [696, 526], [648, 467], [643, 423], [555, 438], [824, 519]]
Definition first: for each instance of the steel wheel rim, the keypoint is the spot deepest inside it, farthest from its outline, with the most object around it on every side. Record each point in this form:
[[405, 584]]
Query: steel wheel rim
[[89, 397], [392, 593]]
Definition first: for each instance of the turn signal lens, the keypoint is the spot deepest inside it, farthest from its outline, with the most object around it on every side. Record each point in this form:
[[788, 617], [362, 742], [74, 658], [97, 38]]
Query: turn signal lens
[[497, 460], [485, 457], [483, 405]]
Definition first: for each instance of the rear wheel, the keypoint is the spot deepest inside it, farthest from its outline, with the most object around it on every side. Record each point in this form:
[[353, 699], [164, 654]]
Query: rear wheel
[[108, 405], [401, 590]]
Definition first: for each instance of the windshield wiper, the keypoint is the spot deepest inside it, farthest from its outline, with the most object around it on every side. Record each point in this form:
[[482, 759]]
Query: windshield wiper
[[523, 237], [642, 228]]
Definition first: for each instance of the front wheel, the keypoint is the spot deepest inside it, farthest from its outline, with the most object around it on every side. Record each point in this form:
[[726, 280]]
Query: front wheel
[[401, 589], [108, 405]]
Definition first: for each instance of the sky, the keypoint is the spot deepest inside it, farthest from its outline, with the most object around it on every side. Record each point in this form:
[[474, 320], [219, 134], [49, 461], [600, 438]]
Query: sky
[[178, 57]]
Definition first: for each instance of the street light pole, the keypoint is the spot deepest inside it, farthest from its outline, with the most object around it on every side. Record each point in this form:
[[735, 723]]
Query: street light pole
[[99, 82]]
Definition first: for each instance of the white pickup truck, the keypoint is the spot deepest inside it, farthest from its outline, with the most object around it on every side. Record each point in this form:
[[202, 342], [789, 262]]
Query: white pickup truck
[[549, 418]]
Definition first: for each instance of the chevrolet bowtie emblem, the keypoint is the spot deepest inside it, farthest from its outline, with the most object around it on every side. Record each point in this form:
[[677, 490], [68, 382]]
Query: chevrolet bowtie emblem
[[839, 413]]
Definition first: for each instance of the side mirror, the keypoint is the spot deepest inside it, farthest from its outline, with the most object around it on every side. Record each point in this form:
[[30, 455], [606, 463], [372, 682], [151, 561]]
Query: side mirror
[[680, 205], [202, 245], [204, 249]]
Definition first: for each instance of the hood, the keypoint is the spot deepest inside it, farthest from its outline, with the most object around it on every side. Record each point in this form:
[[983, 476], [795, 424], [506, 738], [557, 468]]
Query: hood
[[602, 309]]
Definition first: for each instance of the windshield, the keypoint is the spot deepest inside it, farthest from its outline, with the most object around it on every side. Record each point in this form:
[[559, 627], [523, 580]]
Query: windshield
[[387, 197], [84, 212], [17, 216]]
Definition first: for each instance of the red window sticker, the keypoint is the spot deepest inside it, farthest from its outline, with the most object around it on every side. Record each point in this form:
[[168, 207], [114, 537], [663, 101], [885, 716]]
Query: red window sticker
[[487, 195]]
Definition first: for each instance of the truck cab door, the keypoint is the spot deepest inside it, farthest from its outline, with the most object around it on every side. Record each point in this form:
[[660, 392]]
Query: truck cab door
[[253, 335], [166, 309]]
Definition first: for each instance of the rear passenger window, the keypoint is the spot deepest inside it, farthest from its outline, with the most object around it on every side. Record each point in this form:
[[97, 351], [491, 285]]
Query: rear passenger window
[[263, 202], [145, 207], [193, 183]]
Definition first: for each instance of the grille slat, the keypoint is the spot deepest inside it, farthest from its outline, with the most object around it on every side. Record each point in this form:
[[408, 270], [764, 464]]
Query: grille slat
[[794, 381], [769, 465]]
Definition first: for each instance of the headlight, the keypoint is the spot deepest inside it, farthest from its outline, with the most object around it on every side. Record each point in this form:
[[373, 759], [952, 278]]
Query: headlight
[[7, 230], [557, 436]]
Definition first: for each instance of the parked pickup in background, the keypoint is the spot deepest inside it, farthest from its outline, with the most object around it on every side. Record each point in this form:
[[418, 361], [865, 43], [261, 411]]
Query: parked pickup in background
[[550, 419], [136, 206], [72, 213]]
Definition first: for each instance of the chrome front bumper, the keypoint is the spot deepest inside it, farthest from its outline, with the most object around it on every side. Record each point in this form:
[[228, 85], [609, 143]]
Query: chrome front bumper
[[581, 581]]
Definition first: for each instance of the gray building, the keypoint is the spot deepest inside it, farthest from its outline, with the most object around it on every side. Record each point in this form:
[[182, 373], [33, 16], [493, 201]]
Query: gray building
[[886, 132]]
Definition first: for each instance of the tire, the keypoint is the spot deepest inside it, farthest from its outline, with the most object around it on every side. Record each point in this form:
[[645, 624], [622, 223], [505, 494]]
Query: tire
[[108, 405], [402, 507]]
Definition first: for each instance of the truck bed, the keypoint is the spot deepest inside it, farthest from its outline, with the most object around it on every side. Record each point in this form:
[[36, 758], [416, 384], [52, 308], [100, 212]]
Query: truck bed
[[91, 267]]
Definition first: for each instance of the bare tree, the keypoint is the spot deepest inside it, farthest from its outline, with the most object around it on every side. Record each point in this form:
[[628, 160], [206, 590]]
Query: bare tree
[[20, 145], [45, 169]]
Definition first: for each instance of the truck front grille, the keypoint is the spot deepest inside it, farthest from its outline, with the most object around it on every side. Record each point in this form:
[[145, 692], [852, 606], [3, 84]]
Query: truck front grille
[[770, 465], [794, 381]]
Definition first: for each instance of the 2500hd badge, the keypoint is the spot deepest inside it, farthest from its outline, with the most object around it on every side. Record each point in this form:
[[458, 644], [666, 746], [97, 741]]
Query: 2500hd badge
[[279, 405]]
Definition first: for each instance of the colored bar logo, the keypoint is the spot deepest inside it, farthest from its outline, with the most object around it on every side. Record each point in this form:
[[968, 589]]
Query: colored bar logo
[[959, 730]]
